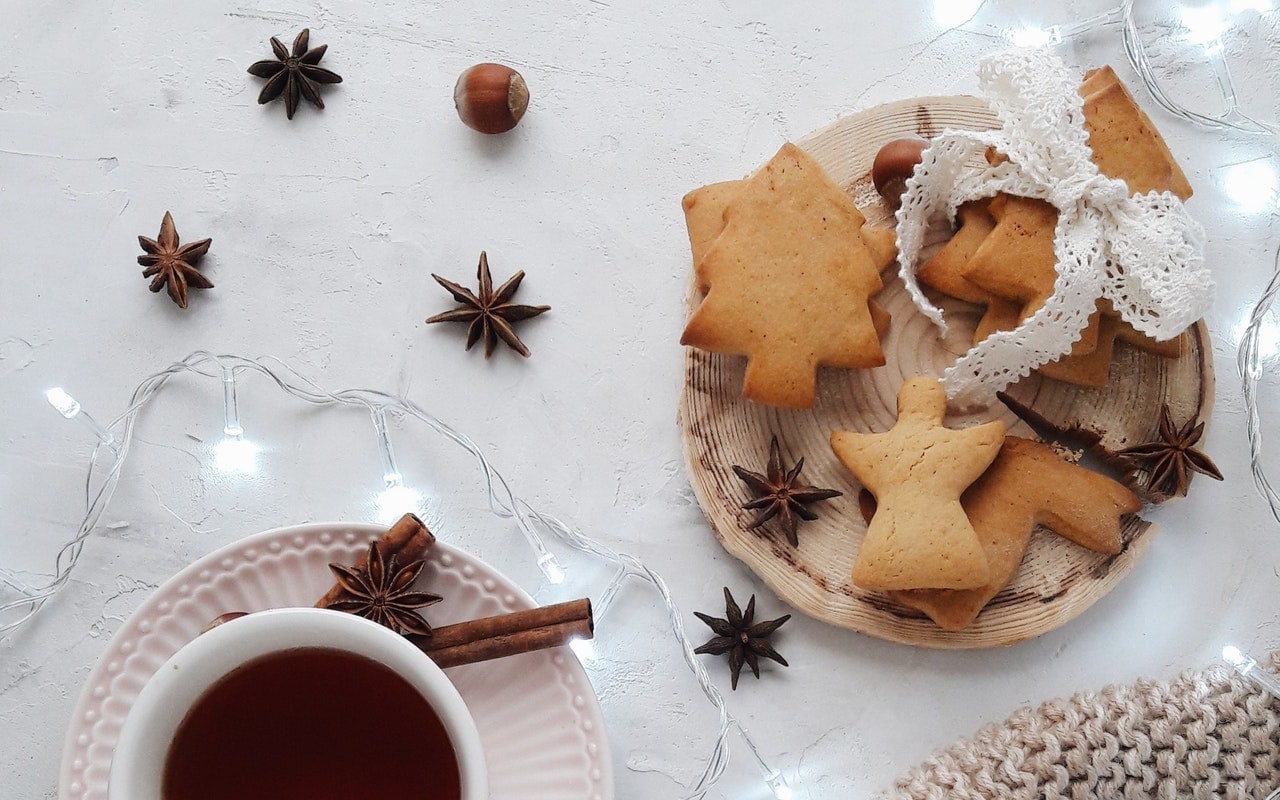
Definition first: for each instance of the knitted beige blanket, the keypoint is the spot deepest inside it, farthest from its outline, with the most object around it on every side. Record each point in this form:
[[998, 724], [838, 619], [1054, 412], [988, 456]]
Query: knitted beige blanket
[[1205, 734]]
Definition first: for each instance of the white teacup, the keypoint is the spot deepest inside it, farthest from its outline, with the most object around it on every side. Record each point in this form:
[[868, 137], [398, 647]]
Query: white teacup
[[138, 765]]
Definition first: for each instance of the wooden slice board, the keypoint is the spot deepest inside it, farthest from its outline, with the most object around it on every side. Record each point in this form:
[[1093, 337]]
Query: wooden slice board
[[1057, 580]]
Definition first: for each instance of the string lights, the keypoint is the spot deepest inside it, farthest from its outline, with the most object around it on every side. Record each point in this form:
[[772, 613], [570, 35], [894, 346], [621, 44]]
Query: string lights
[[1251, 185], [1249, 669], [236, 453], [1205, 25], [113, 446], [1249, 363], [69, 407]]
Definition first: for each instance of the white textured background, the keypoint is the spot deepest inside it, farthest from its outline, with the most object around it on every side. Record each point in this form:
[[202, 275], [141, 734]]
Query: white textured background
[[325, 229]]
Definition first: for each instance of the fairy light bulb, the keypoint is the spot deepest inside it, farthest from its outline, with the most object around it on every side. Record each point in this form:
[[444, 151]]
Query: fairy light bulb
[[550, 566], [1033, 37], [395, 499], [773, 777], [1252, 185], [70, 408], [234, 454], [231, 409], [965, 14], [1249, 669], [778, 785], [237, 455], [585, 649], [64, 403], [1204, 24]]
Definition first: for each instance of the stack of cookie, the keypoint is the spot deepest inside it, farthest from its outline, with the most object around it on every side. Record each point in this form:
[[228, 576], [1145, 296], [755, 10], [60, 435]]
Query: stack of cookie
[[786, 272], [1002, 255], [953, 510]]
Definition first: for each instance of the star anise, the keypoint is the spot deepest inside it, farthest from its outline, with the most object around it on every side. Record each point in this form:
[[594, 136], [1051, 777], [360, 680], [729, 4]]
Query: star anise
[[171, 264], [295, 74], [489, 312], [1171, 461], [779, 494], [381, 592], [744, 641]]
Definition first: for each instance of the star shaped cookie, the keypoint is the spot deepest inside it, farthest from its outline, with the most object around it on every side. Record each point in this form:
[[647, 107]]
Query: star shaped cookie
[[789, 282], [920, 537]]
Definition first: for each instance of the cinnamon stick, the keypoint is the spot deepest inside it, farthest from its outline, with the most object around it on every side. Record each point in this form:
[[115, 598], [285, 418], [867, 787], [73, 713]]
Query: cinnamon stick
[[407, 540], [508, 634], [478, 639]]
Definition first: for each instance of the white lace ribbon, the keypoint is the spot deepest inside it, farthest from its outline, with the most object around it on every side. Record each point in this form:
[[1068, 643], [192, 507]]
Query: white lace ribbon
[[1144, 253]]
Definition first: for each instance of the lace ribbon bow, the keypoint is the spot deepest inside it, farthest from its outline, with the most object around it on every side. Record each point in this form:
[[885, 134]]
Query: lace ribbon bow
[[1142, 252]]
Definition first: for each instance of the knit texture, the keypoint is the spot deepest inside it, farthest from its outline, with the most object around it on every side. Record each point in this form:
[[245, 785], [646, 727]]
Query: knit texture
[[1205, 734], [1141, 252]]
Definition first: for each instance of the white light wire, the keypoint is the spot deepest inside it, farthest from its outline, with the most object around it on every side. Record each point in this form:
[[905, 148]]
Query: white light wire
[[505, 504], [502, 502], [1232, 119], [633, 566], [1249, 363]]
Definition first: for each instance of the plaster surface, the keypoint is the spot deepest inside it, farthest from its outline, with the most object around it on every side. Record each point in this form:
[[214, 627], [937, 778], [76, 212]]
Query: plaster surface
[[325, 232]]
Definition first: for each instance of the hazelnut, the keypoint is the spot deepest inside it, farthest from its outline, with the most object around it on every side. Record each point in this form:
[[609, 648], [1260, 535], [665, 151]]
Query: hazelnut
[[895, 162], [491, 98]]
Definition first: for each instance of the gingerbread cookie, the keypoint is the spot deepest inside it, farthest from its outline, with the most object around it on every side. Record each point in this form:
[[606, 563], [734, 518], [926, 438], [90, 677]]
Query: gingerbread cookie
[[1091, 367], [704, 218], [945, 270], [1125, 144], [790, 279], [1088, 363], [1015, 263], [1027, 485], [920, 536], [883, 244]]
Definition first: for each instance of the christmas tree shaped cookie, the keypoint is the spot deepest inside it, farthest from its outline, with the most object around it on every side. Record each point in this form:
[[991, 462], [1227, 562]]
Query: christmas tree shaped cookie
[[704, 218], [789, 282], [945, 270]]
